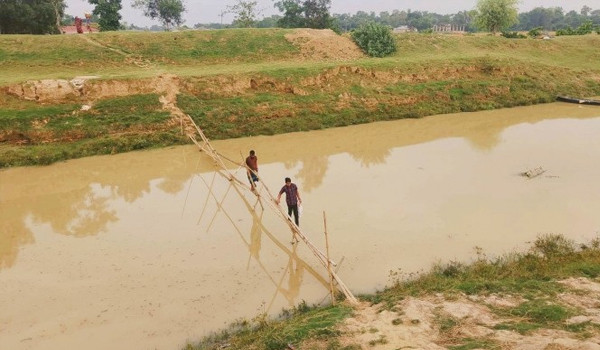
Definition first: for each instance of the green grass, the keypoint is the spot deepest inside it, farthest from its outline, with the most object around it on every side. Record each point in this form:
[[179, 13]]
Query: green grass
[[118, 54], [300, 324], [205, 47], [52, 50], [23, 120], [471, 343], [263, 51], [539, 313], [532, 273], [114, 125], [546, 52], [45, 154], [66, 121]]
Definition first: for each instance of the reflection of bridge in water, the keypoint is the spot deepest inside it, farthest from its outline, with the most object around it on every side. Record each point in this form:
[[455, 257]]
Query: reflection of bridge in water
[[260, 192], [295, 266]]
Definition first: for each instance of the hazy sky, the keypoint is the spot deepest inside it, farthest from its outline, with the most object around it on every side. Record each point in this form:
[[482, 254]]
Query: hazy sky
[[206, 11]]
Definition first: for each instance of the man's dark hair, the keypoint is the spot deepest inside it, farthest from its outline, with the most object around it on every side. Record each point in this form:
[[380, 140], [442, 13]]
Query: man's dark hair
[[252, 152], [287, 179]]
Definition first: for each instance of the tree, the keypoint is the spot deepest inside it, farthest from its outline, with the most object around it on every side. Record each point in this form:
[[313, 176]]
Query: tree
[[419, 20], [245, 13], [573, 19], [268, 22], [375, 39], [168, 12], [462, 18], [292, 13], [585, 10], [496, 15], [305, 14], [31, 17], [108, 14], [316, 14]]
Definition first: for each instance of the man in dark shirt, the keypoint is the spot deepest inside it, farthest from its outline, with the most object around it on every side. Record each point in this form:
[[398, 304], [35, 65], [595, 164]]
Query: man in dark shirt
[[292, 198], [252, 163]]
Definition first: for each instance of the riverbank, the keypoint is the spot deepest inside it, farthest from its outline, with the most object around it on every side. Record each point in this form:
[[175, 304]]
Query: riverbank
[[543, 298], [118, 92]]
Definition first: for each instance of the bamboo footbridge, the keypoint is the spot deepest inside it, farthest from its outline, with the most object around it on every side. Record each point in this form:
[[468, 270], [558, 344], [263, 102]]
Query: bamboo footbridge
[[297, 234]]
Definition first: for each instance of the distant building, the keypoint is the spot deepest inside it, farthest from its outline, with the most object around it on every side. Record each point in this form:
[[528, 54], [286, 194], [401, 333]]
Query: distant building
[[405, 29], [448, 28]]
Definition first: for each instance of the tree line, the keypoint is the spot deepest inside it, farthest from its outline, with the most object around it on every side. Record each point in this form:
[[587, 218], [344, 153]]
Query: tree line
[[47, 16], [550, 19]]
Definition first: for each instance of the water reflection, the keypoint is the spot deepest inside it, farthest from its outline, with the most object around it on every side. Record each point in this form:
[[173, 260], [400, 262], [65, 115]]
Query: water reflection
[[73, 197], [313, 171], [295, 267], [13, 233]]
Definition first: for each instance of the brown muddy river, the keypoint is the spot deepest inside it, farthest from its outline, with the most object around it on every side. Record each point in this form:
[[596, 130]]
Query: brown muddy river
[[150, 249]]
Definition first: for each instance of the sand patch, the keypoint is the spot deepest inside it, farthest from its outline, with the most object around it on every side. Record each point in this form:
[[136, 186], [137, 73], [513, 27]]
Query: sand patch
[[324, 44]]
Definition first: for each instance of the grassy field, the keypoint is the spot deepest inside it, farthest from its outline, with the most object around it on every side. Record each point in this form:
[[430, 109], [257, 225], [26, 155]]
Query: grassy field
[[249, 82], [235, 51]]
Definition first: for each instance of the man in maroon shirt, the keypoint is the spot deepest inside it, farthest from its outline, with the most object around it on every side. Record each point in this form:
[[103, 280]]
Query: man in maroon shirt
[[292, 198], [252, 163]]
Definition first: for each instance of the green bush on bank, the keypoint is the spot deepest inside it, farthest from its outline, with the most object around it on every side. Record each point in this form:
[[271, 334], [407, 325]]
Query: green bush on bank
[[535, 32], [301, 323], [376, 40], [585, 28], [513, 35]]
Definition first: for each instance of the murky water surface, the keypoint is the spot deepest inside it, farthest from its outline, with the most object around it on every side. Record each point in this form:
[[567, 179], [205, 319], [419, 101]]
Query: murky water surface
[[149, 249]]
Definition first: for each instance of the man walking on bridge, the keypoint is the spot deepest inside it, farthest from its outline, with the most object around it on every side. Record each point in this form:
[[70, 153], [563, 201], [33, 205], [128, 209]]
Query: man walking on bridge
[[252, 163], [292, 198]]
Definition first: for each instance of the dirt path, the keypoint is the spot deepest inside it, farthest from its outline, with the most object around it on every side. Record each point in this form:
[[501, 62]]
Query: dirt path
[[168, 86], [129, 58]]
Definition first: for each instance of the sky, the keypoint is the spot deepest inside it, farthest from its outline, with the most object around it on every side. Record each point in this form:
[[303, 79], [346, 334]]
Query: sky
[[209, 11]]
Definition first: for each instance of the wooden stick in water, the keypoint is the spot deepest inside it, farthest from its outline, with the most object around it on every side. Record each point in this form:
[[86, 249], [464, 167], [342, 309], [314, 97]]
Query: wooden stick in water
[[328, 260]]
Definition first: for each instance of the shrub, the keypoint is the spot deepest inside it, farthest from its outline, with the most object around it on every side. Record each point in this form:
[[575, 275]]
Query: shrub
[[535, 32], [565, 31], [553, 245], [585, 28], [513, 35], [374, 39]]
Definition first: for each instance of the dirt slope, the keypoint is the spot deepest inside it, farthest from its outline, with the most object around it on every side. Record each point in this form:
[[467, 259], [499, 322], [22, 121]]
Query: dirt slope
[[324, 44]]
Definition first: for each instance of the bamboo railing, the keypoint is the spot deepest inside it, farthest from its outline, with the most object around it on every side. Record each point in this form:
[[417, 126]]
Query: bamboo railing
[[297, 233]]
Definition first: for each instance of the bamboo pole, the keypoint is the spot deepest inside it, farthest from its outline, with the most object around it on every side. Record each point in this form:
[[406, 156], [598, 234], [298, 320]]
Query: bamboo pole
[[328, 261]]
